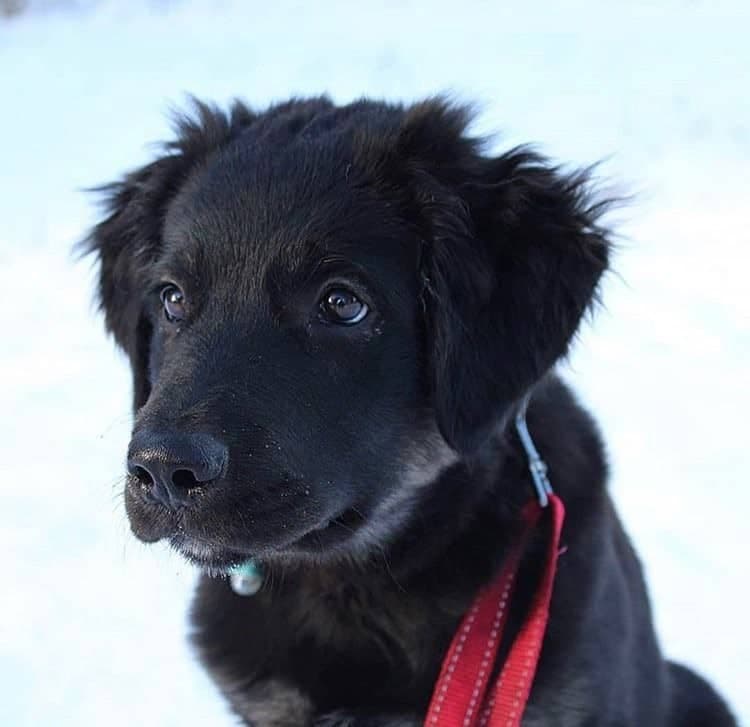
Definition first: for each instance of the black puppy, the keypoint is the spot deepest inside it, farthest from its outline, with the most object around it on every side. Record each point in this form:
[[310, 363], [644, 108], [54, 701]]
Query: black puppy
[[332, 314]]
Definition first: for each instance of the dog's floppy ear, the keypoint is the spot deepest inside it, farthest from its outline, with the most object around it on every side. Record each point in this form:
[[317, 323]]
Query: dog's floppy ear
[[128, 240], [510, 264]]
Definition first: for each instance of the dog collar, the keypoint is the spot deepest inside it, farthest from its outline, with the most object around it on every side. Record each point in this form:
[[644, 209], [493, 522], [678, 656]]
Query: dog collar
[[463, 696]]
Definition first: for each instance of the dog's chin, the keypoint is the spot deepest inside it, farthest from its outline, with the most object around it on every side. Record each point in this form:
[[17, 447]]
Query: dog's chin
[[212, 558]]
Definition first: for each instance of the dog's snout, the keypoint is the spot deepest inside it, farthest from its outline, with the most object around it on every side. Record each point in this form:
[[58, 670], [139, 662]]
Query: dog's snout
[[171, 465]]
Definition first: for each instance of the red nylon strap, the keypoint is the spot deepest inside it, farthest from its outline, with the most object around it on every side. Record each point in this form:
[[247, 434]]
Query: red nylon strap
[[459, 698]]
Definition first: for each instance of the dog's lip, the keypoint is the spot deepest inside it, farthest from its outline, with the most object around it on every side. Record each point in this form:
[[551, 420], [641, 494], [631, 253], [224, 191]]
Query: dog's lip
[[203, 551], [332, 531], [219, 559]]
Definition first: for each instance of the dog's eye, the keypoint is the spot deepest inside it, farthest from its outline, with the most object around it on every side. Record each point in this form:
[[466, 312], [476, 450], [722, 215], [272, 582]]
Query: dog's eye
[[340, 305], [173, 300]]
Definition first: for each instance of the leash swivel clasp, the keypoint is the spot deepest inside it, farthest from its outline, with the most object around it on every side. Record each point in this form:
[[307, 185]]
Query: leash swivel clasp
[[537, 466]]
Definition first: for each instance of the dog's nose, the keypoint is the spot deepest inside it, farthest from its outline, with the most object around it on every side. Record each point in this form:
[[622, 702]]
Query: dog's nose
[[171, 465]]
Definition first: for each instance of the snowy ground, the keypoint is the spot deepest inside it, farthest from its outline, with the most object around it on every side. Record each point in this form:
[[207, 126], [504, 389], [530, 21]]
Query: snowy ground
[[91, 623]]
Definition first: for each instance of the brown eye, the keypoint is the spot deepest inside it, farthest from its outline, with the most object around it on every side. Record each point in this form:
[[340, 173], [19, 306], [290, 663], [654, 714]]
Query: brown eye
[[340, 305], [173, 300]]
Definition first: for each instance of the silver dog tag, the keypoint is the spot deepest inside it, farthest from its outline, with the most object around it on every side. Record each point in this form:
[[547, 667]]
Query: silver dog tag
[[246, 579]]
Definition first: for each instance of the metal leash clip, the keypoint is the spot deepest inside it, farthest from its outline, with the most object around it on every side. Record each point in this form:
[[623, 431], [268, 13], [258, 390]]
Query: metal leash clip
[[537, 466]]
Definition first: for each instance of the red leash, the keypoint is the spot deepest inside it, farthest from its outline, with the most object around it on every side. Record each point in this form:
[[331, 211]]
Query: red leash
[[461, 696]]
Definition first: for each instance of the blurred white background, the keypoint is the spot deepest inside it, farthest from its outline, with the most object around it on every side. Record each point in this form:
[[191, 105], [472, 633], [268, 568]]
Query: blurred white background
[[92, 624]]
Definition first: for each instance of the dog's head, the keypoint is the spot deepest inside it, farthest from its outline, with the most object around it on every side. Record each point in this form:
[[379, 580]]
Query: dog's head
[[324, 307]]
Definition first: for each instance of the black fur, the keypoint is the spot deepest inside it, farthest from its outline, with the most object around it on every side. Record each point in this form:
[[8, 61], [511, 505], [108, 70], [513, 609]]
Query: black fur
[[372, 470]]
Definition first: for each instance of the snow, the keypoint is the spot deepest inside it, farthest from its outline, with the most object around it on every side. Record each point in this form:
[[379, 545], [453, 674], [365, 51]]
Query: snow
[[92, 624]]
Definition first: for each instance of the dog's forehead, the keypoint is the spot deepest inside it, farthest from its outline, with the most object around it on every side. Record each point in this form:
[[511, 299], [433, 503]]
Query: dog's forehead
[[251, 209]]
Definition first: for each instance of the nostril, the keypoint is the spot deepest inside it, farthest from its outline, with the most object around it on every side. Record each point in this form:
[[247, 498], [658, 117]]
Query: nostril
[[142, 475], [185, 480], [170, 467]]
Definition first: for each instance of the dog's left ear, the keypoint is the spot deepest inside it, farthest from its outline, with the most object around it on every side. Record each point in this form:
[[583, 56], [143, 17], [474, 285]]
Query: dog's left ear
[[511, 262]]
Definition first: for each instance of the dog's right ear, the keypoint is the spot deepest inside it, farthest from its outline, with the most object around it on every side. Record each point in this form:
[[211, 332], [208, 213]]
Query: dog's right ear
[[128, 240]]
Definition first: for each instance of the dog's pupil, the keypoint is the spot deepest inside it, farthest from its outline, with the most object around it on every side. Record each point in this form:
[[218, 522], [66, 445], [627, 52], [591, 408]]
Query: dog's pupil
[[174, 302], [344, 305]]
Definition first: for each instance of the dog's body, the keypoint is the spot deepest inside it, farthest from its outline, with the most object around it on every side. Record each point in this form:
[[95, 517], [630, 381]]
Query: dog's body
[[332, 315]]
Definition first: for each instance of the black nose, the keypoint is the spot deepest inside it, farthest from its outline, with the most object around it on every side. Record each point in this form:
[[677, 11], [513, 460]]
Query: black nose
[[171, 465]]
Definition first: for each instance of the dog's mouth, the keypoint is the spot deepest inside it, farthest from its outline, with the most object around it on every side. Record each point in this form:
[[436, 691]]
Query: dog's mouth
[[217, 555], [336, 530], [214, 534]]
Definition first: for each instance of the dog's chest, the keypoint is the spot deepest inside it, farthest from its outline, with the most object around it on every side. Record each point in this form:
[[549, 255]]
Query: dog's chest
[[363, 642], [345, 615]]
